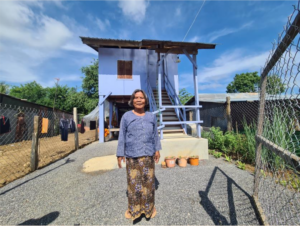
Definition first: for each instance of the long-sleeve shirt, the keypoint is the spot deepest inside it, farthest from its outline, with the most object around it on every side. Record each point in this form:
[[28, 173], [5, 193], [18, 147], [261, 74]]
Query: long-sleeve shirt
[[138, 135]]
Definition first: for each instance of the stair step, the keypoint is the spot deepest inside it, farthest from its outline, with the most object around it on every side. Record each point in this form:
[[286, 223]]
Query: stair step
[[169, 118]]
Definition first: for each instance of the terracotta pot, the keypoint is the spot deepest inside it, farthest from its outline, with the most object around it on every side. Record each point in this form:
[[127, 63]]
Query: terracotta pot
[[194, 161], [170, 162], [182, 162]]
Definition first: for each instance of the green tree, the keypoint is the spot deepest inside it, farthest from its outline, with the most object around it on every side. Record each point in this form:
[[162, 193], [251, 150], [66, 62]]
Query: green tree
[[244, 83], [184, 95], [90, 80], [32, 92], [275, 85], [4, 88]]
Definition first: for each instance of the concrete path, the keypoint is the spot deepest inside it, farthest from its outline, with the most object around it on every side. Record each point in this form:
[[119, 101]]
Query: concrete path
[[214, 192]]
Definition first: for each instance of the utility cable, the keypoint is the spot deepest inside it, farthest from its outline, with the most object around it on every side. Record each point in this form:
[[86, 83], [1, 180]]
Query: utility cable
[[194, 20]]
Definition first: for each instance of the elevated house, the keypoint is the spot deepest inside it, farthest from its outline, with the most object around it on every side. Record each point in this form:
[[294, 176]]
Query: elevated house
[[151, 65]]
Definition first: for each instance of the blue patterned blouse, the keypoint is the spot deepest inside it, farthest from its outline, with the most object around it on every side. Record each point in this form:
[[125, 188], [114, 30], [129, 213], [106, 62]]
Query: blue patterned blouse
[[138, 135]]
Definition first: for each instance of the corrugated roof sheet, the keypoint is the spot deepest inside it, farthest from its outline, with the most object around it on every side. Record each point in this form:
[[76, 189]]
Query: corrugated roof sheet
[[235, 97]]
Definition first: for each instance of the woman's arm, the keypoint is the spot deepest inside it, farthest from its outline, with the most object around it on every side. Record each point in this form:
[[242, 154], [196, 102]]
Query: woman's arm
[[121, 142], [157, 141]]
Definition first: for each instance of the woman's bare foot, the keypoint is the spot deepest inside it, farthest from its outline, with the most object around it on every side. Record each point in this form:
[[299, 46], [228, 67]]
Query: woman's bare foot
[[127, 214], [154, 212]]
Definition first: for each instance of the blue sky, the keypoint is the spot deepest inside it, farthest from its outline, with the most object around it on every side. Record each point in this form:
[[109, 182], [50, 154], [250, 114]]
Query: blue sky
[[39, 40]]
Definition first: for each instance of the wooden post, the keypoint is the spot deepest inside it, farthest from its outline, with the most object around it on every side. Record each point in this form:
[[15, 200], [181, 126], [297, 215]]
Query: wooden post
[[76, 128], [228, 115], [96, 133], [34, 158]]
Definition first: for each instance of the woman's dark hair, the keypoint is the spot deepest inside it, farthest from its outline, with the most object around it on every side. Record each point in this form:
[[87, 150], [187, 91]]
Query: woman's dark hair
[[130, 102]]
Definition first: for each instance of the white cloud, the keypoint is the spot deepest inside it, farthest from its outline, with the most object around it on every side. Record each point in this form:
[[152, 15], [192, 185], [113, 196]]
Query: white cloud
[[29, 39], [19, 24], [226, 31], [102, 24], [223, 69], [194, 39], [178, 11], [134, 10]]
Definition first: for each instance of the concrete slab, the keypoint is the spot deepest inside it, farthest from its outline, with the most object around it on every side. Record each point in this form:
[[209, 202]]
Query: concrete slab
[[183, 145], [172, 144]]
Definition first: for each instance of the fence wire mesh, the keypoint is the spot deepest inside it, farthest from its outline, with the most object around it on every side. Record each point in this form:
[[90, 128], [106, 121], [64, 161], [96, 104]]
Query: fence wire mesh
[[17, 134], [279, 171]]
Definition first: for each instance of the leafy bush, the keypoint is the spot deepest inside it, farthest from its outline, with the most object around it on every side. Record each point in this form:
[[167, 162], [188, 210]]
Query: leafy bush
[[217, 154], [227, 158], [216, 140], [241, 165], [230, 142]]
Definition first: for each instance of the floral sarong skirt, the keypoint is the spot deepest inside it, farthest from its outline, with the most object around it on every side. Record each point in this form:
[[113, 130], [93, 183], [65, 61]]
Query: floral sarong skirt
[[140, 185]]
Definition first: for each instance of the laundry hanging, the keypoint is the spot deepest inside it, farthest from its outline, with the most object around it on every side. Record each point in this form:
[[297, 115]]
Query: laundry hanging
[[45, 123], [64, 129], [82, 130], [4, 125], [21, 127], [72, 126]]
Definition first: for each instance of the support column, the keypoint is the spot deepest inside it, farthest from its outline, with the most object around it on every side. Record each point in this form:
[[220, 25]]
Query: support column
[[159, 65], [197, 111], [110, 117], [117, 115], [101, 119]]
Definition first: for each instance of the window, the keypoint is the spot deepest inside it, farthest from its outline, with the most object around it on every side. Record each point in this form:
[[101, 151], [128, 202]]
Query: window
[[124, 69]]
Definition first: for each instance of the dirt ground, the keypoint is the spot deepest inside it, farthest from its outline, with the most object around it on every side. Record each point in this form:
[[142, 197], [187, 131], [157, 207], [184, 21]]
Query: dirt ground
[[15, 157]]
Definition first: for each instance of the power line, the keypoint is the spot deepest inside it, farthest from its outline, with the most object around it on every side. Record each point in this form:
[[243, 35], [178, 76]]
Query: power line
[[194, 20]]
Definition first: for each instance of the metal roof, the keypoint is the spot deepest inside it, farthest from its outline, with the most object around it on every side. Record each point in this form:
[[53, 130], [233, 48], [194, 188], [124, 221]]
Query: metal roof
[[238, 97], [162, 46]]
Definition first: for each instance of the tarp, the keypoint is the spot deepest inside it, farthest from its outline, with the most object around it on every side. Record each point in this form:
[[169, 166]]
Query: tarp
[[93, 115]]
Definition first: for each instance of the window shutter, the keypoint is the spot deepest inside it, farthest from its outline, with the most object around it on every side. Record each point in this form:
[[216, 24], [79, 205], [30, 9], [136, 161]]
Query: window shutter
[[121, 69], [128, 69]]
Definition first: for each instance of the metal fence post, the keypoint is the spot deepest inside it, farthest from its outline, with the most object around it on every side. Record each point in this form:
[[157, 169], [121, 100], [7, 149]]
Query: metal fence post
[[76, 128], [34, 158]]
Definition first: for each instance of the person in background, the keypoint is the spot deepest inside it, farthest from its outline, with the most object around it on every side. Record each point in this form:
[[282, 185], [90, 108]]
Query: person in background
[[139, 143]]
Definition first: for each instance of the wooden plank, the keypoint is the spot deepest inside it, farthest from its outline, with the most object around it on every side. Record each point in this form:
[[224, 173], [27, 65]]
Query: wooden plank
[[34, 157], [286, 155]]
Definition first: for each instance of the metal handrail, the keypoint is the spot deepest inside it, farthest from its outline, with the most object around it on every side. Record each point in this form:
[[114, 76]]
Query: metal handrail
[[171, 91], [152, 102]]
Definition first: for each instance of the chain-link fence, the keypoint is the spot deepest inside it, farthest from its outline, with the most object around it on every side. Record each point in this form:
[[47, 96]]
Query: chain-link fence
[[277, 176], [55, 133]]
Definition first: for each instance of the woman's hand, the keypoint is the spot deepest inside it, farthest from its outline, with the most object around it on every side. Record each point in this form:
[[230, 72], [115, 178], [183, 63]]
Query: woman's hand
[[120, 161], [156, 156]]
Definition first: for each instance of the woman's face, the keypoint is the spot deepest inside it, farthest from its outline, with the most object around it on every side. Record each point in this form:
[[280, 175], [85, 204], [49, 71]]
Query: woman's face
[[139, 100]]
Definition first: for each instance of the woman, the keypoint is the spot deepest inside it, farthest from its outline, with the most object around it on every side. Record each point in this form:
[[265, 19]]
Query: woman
[[140, 144]]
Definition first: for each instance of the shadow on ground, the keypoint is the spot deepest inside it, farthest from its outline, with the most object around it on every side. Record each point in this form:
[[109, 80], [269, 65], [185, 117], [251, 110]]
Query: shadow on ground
[[244, 202], [68, 160], [45, 220]]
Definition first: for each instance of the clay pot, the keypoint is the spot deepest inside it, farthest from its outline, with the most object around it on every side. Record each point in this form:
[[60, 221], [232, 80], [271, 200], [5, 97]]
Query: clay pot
[[194, 160], [182, 162], [170, 161]]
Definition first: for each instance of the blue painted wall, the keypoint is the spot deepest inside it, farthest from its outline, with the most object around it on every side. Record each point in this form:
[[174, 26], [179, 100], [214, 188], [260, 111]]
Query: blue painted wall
[[108, 81]]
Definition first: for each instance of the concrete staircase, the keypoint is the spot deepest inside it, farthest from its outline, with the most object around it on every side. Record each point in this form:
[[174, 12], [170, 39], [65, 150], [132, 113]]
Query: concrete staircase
[[168, 114]]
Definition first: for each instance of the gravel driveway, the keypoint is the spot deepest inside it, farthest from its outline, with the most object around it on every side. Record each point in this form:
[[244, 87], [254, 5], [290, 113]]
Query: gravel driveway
[[214, 192]]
